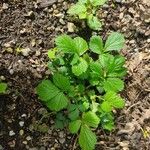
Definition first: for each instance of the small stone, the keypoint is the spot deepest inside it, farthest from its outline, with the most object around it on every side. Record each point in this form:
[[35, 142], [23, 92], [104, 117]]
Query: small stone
[[21, 132], [53, 148], [34, 148], [62, 140], [11, 133], [62, 21], [28, 138], [71, 27], [148, 40], [33, 42], [23, 31], [61, 134], [5, 6], [21, 123], [1, 148], [38, 53], [23, 115], [25, 51], [25, 142], [11, 71], [42, 148]]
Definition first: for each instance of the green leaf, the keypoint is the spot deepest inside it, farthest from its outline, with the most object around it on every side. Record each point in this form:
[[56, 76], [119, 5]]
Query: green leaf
[[3, 87], [87, 139], [47, 90], [51, 53], [77, 9], [115, 100], [94, 23], [106, 107], [61, 82], [115, 41], [65, 43], [113, 84], [81, 45], [74, 126], [58, 102], [91, 119], [80, 68], [97, 2], [73, 115], [96, 44]]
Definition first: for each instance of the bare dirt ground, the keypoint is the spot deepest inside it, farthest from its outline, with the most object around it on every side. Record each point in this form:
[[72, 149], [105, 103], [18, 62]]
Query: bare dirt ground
[[27, 32]]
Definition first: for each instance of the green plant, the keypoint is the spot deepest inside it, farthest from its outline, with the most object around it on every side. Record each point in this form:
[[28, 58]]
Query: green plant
[[86, 9], [3, 87], [82, 89]]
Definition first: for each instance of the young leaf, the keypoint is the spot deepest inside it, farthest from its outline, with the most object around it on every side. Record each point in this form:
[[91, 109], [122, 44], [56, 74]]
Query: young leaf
[[47, 90], [96, 44], [77, 9], [114, 100], [3, 87], [57, 103], [106, 107], [81, 45], [51, 53], [97, 2], [74, 126], [91, 119], [113, 84], [115, 41], [80, 68], [87, 139], [65, 43], [94, 23], [61, 82]]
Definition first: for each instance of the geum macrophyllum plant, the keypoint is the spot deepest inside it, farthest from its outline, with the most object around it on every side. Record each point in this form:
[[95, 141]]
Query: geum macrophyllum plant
[[82, 89], [86, 9]]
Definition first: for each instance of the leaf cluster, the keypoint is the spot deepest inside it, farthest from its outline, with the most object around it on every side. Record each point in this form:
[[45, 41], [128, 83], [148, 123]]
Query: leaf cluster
[[3, 88], [86, 9], [84, 89]]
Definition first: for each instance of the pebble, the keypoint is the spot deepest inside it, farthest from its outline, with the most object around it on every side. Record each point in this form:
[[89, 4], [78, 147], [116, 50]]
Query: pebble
[[23, 115], [11, 71], [62, 140], [21, 132], [71, 27], [5, 6], [21, 123], [42, 148], [25, 142], [25, 51], [148, 40], [61, 134], [28, 138], [11, 133], [34, 148], [1, 148]]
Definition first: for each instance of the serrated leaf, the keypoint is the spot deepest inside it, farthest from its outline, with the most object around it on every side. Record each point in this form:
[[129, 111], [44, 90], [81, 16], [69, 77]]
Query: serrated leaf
[[106, 107], [80, 68], [87, 139], [3, 87], [65, 43], [61, 82], [115, 41], [115, 100], [81, 45], [94, 23], [98, 2], [96, 44], [74, 126], [113, 84], [77, 9], [91, 119], [73, 115], [58, 102], [47, 90]]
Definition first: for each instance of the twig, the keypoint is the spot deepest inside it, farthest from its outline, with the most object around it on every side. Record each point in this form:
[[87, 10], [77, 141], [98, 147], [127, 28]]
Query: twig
[[74, 145]]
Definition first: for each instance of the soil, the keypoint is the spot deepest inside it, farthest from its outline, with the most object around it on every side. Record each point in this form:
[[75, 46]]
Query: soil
[[27, 32]]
